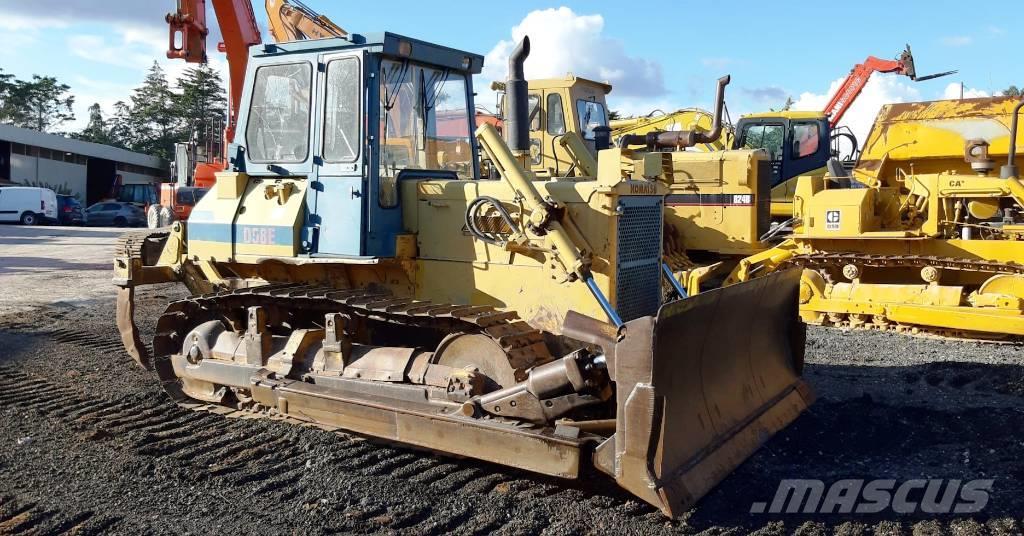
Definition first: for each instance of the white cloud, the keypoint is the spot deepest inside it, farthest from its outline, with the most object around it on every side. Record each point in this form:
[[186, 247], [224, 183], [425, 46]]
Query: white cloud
[[952, 91], [97, 48], [30, 23], [562, 41], [957, 40], [880, 90], [996, 30]]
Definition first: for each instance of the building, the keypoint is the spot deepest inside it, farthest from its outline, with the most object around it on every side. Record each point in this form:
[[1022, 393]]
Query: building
[[83, 169]]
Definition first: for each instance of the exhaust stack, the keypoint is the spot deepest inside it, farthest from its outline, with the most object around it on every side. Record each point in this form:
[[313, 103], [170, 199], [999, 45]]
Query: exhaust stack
[[1010, 169], [517, 125], [684, 139]]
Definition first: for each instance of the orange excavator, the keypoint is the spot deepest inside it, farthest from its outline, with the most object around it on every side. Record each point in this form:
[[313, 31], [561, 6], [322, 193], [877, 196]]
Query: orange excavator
[[195, 165]]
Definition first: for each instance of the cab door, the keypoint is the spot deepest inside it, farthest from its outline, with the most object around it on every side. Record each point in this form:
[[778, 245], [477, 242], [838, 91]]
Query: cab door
[[340, 187]]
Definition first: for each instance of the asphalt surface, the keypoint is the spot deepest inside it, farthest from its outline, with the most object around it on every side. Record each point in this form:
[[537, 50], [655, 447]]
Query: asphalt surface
[[90, 445]]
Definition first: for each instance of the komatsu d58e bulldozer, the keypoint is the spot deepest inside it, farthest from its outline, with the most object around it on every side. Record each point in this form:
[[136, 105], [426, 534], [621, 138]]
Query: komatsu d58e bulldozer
[[352, 270]]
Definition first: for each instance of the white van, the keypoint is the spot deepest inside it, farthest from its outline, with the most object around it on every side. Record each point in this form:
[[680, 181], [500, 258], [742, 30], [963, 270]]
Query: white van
[[28, 205]]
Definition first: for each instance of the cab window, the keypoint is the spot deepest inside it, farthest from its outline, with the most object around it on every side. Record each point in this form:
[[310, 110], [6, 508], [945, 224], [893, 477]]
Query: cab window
[[278, 124], [425, 123], [806, 137], [592, 115], [767, 137], [341, 126], [556, 115], [533, 103]]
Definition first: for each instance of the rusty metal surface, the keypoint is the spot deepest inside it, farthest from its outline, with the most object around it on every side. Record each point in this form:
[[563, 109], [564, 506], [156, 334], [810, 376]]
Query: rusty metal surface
[[701, 387], [129, 331]]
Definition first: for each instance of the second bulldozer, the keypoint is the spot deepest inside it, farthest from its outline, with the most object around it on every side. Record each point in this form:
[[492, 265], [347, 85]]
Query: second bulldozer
[[932, 240]]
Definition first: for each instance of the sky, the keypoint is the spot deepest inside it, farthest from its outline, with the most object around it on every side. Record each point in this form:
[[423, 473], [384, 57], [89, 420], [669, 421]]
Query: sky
[[667, 59]]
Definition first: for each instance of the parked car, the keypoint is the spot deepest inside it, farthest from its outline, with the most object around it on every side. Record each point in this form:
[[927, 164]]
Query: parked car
[[69, 211], [28, 205], [106, 213]]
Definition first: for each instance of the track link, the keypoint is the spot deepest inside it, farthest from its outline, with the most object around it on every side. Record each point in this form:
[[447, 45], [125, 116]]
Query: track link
[[524, 345], [824, 261]]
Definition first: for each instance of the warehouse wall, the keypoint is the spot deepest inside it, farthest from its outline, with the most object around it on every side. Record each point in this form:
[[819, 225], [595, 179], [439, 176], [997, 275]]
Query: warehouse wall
[[51, 172]]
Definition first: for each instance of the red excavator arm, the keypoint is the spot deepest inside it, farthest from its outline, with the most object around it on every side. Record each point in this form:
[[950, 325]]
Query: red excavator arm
[[238, 26], [858, 78]]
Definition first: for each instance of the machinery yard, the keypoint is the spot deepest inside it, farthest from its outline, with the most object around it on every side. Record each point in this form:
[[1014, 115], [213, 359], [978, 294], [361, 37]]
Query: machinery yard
[[89, 441], [367, 303]]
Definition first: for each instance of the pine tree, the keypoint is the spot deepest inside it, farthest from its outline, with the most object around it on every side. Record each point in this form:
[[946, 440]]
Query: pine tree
[[97, 130], [202, 101], [155, 124], [119, 127]]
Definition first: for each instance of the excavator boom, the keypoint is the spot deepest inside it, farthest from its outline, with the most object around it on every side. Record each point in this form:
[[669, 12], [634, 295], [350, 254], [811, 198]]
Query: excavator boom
[[291, 20], [238, 26]]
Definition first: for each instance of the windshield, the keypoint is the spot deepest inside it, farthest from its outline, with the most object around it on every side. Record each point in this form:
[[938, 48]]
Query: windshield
[[592, 115], [425, 121], [767, 137]]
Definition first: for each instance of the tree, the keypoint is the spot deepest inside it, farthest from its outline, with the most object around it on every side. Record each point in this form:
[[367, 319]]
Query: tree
[[155, 124], [120, 126], [7, 83], [97, 130], [41, 103], [202, 101], [1013, 91]]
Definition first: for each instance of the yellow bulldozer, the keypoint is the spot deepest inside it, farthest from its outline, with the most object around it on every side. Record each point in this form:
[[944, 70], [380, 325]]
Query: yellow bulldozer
[[917, 237], [352, 269], [931, 236]]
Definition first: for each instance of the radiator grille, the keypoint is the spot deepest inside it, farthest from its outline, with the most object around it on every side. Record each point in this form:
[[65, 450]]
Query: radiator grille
[[638, 259]]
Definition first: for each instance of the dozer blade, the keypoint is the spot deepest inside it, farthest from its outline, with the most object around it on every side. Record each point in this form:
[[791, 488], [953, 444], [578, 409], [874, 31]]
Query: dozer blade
[[702, 386]]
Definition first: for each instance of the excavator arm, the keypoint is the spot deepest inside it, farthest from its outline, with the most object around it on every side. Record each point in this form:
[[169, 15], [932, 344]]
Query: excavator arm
[[291, 20], [238, 26], [694, 119]]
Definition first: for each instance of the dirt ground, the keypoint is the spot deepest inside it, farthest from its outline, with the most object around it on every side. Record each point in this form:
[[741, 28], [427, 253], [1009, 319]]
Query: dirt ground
[[89, 444]]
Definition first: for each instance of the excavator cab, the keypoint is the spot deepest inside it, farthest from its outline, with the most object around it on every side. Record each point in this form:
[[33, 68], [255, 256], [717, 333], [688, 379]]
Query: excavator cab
[[797, 143]]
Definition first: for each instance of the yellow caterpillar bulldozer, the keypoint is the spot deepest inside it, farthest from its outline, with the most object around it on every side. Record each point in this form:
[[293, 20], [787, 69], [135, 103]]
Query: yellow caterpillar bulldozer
[[353, 270], [931, 240]]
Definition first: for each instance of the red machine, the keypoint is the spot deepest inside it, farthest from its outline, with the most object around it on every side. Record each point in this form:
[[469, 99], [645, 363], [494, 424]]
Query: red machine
[[858, 78]]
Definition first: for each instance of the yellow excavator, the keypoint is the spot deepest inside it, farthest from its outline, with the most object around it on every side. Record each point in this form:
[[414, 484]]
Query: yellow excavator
[[352, 269]]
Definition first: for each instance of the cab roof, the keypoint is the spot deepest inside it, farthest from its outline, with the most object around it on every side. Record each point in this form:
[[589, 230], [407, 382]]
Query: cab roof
[[789, 114], [568, 81], [387, 43]]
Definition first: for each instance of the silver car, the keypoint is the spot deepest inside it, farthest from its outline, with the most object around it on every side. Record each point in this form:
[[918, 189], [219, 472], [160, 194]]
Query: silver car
[[107, 213]]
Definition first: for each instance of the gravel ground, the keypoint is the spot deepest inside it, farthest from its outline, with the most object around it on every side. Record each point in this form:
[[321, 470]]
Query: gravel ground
[[91, 445]]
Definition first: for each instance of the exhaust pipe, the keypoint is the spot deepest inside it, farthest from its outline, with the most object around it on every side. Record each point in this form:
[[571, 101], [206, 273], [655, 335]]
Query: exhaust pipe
[[716, 124], [517, 124], [684, 139], [1010, 169]]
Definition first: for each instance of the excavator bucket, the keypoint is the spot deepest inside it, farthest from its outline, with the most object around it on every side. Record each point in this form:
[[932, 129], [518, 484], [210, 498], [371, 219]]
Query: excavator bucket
[[702, 386]]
